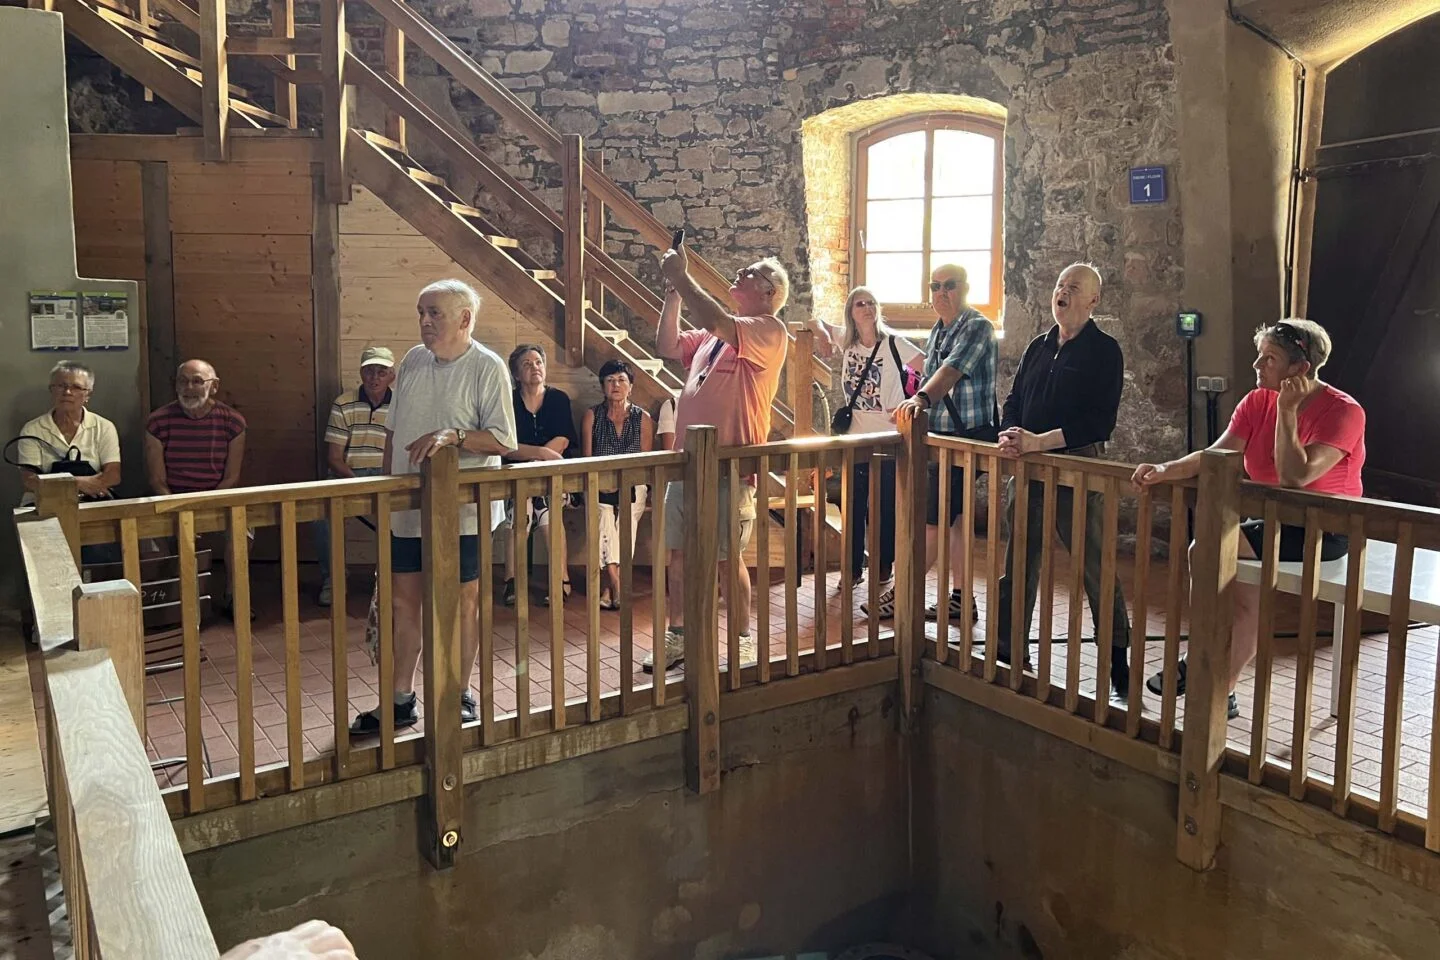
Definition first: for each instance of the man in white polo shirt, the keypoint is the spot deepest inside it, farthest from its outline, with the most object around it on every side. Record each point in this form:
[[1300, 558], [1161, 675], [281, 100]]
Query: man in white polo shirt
[[355, 439]]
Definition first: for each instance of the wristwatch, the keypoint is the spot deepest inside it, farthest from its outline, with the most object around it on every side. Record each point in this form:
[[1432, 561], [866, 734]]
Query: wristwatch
[[459, 437], [928, 402]]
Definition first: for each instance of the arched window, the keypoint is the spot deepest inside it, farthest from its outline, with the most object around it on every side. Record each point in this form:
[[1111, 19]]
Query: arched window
[[929, 190]]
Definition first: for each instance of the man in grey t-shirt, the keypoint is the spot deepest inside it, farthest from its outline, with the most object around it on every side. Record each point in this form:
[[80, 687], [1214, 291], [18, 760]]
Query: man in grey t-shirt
[[449, 391]]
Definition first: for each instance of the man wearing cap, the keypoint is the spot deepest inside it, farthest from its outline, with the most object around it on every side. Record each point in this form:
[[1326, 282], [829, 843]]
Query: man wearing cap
[[355, 439]]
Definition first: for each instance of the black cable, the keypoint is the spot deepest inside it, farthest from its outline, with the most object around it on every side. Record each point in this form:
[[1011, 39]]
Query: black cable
[[1189, 395]]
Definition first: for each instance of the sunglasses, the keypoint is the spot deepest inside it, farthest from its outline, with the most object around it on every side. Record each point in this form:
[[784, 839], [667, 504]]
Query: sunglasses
[[864, 303], [935, 285], [1294, 336], [745, 272]]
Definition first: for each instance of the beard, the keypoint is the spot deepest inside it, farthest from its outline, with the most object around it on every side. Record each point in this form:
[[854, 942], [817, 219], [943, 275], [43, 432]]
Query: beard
[[190, 404]]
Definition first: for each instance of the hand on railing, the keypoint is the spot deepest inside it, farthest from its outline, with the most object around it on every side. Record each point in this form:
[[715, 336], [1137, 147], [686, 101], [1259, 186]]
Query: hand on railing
[[312, 940]]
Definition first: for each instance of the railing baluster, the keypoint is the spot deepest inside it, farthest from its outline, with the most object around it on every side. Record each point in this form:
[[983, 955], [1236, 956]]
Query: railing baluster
[[1393, 731], [339, 641], [190, 630], [1175, 596], [1019, 534], [130, 550], [556, 561], [1346, 659], [847, 547], [394, 55], [1265, 644], [244, 651], [658, 568], [762, 573], [592, 605], [822, 579], [572, 167], [282, 24], [290, 607], [519, 556], [1047, 585], [1140, 612], [1105, 632], [385, 615], [702, 639], [1078, 508], [993, 560], [942, 560], [626, 516], [967, 551], [873, 586], [792, 570], [1305, 661], [732, 586]]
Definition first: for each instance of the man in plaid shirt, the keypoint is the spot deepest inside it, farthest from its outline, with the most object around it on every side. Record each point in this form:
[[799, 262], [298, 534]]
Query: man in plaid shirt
[[959, 396]]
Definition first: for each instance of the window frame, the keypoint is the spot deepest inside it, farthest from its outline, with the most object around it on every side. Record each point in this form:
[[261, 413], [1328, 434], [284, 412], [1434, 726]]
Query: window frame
[[921, 315]]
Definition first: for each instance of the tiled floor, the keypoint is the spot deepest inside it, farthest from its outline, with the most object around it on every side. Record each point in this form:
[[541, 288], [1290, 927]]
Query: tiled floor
[[166, 734]]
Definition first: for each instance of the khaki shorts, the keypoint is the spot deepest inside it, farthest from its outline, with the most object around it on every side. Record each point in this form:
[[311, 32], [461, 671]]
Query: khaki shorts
[[677, 532]]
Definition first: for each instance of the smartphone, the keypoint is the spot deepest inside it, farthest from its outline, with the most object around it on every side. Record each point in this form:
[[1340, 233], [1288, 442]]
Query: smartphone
[[678, 239]]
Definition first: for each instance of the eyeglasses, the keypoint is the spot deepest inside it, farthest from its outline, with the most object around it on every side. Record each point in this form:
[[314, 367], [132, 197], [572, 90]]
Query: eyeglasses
[[864, 303], [69, 388], [193, 381], [745, 272], [935, 285]]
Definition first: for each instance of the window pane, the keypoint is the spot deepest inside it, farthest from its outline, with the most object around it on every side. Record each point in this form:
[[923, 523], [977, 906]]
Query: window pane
[[895, 225], [977, 268], [895, 277], [964, 163], [897, 167], [962, 223]]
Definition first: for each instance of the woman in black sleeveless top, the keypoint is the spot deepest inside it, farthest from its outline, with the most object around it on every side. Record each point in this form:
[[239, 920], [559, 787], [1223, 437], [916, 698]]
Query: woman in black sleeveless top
[[611, 428]]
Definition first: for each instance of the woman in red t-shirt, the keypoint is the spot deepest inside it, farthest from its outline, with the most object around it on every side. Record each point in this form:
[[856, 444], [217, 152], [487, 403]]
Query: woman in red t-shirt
[[1295, 431]]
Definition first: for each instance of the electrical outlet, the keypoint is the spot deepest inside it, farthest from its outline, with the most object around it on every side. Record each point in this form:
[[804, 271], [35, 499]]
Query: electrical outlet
[[1218, 385], [1202, 384]]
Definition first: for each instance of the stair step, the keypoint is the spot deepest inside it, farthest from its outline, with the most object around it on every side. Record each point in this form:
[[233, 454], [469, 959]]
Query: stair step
[[382, 141], [195, 74], [260, 113], [463, 209], [119, 6], [425, 176], [509, 243], [614, 336], [124, 19], [543, 275], [650, 365]]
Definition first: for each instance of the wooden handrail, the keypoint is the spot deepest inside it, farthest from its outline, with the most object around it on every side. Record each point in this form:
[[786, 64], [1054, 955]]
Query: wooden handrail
[[122, 849], [53, 576]]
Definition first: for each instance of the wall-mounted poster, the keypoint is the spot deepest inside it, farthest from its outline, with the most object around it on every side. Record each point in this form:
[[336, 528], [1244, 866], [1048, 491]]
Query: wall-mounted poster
[[54, 321], [106, 320]]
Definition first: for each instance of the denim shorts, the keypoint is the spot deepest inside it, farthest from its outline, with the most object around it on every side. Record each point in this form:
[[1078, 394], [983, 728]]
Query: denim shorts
[[406, 556]]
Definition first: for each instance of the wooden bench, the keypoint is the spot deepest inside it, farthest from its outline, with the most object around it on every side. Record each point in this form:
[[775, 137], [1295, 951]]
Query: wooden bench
[[1379, 579]]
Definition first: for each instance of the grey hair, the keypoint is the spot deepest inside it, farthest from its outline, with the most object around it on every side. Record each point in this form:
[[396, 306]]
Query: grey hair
[[851, 335], [74, 366], [779, 278], [1301, 341], [458, 289], [1094, 272]]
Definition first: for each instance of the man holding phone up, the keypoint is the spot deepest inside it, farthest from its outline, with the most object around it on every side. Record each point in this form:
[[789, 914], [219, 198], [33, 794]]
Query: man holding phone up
[[732, 370]]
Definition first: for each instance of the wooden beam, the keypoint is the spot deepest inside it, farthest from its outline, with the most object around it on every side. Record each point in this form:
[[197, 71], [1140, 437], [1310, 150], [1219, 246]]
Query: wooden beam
[[159, 280], [282, 25], [799, 375], [182, 12], [1207, 675], [334, 100], [117, 46], [56, 495], [910, 497], [572, 165], [107, 617], [702, 635], [254, 146], [394, 58], [325, 294], [215, 79], [444, 675], [277, 46]]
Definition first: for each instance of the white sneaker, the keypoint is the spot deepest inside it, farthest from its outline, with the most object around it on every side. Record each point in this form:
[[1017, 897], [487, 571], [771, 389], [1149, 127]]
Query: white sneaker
[[324, 598], [749, 654], [674, 653]]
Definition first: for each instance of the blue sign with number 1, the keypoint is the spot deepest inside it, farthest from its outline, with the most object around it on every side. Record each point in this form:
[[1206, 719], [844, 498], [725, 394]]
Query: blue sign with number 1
[[1147, 184]]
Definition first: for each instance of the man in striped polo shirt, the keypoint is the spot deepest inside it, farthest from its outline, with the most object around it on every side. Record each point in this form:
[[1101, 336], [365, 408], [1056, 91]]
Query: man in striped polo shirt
[[196, 443], [355, 439]]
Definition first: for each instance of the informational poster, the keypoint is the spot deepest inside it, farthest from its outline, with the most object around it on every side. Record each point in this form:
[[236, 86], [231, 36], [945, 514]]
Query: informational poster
[[54, 321], [106, 320]]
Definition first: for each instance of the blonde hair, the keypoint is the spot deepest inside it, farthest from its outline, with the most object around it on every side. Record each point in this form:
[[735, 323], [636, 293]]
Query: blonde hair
[[851, 336]]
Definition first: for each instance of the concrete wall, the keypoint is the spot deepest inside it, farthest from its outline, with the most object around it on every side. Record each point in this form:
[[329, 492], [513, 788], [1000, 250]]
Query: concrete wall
[[1032, 847], [609, 857], [37, 236]]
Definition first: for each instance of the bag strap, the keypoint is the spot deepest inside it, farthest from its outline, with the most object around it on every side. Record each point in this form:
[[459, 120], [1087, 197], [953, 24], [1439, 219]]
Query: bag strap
[[15, 442], [870, 362], [901, 370]]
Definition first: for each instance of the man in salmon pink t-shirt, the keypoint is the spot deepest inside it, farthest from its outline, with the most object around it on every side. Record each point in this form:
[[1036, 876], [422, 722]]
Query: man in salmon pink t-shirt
[[1295, 431], [732, 369]]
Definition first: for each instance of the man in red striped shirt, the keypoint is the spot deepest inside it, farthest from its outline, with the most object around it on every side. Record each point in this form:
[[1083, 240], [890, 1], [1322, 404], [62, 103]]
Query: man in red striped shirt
[[195, 442]]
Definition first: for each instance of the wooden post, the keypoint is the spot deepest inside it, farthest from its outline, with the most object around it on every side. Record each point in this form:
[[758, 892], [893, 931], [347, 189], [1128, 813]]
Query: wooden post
[[394, 53], [572, 165], [910, 493], [335, 105], [214, 80], [444, 675], [56, 496], [800, 375], [595, 230], [107, 617], [702, 635], [1207, 676], [282, 25]]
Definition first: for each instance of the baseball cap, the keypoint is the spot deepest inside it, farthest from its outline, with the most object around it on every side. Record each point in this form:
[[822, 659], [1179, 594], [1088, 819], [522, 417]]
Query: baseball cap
[[379, 356]]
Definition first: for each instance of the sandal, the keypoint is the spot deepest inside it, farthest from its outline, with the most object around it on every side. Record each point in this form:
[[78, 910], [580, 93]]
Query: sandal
[[507, 595], [565, 591], [606, 603]]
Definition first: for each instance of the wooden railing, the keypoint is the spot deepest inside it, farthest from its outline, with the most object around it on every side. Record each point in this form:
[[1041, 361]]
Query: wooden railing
[[127, 889]]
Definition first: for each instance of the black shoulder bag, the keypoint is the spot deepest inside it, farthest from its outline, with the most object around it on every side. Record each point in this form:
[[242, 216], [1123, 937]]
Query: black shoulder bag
[[845, 416], [71, 463]]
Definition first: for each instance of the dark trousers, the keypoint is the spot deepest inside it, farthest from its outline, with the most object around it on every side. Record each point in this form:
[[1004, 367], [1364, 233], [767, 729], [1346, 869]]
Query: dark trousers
[[860, 512], [1034, 542]]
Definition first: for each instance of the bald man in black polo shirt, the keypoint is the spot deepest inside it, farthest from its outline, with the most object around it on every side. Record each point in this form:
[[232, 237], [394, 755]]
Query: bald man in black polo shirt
[[1065, 399]]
